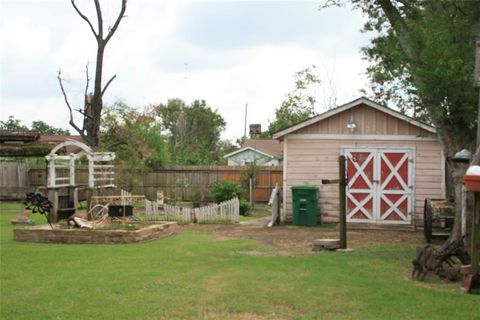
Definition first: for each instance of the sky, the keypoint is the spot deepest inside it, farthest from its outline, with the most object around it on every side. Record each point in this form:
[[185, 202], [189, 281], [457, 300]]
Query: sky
[[228, 53]]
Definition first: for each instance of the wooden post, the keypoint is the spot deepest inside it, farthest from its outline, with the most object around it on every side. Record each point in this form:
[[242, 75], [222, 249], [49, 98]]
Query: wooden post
[[250, 184], [51, 181], [475, 249], [91, 176], [53, 197], [475, 259], [71, 169], [254, 185], [342, 204]]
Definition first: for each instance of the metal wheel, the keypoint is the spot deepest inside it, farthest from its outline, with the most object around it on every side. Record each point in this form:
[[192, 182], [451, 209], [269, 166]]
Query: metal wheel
[[427, 219]]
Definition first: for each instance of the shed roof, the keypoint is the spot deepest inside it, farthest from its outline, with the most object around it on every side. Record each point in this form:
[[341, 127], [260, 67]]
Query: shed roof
[[365, 101]]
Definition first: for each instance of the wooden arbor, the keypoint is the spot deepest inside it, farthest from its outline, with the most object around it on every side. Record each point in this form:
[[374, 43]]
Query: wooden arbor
[[62, 188]]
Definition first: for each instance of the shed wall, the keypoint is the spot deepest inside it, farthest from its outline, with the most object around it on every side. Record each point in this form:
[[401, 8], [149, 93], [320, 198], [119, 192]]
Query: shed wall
[[308, 161]]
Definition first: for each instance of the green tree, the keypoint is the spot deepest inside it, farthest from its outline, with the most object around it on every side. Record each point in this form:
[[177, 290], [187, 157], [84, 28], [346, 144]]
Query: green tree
[[193, 131], [12, 124], [136, 137], [422, 58], [299, 104], [44, 128], [40, 126]]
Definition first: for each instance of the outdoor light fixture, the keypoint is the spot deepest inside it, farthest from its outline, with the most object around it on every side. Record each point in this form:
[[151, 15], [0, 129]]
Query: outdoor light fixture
[[351, 124]]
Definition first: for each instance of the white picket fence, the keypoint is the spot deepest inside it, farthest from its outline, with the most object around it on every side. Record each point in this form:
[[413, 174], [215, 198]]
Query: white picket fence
[[225, 212], [124, 197]]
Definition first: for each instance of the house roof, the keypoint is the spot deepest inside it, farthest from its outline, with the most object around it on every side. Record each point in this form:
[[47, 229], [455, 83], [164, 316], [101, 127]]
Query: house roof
[[348, 106], [268, 147]]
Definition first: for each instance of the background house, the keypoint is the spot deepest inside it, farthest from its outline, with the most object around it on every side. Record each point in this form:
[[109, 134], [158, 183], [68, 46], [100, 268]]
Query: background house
[[264, 152], [393, 162]]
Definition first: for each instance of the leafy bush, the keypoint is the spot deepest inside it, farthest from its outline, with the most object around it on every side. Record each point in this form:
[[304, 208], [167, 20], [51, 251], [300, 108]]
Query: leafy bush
[[225, 190], [244, 207]]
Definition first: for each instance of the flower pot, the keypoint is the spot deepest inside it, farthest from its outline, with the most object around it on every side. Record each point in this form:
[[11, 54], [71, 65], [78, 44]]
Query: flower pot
[[472, 183]]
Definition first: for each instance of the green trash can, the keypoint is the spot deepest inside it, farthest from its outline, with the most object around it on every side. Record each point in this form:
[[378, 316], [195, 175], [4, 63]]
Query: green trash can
[[305, 204]]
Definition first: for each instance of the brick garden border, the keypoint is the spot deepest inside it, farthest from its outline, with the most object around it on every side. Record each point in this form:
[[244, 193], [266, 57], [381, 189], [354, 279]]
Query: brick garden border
[[44, 234]]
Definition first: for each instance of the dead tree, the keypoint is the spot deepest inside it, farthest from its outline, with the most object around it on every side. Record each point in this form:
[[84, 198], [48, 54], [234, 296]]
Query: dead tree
[[93, 103]]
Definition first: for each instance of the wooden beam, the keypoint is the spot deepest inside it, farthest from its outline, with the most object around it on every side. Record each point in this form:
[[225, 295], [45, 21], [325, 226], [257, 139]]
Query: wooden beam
[[25, 150], [475, 254], [24, 136]]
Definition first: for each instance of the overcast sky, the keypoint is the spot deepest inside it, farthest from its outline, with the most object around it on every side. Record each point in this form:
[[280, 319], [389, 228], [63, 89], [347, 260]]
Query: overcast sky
[[228, 53]]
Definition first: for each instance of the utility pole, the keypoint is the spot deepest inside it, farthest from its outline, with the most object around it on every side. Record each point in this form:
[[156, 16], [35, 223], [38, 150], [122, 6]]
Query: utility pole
[[245, 126], [186, 82]]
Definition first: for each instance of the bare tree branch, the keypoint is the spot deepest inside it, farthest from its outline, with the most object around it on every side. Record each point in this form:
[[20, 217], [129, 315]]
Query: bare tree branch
[[116, 144], [401, 28], [117, 22], [98, 9], [108, 83], [88, 80], [72, 123], [84, 113], [84, 17]]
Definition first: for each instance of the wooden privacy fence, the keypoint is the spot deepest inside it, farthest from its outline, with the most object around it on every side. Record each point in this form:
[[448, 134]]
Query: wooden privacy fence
[[225, 212], [13, 180], [178, 182]]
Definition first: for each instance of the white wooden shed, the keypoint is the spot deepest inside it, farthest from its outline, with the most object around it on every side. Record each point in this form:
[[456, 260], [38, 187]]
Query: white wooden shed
[[393, 163]]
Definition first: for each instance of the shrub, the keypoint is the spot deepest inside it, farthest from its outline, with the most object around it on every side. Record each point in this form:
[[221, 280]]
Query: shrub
[[244, 207], [225, 190]]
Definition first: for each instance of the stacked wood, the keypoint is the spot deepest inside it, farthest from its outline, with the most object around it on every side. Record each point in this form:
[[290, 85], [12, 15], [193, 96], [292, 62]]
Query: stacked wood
[[33, 149], [22, 144], [18, 136]]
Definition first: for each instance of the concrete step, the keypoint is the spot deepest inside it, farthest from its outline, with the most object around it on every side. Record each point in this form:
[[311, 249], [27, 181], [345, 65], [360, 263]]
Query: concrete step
[[382, 227]]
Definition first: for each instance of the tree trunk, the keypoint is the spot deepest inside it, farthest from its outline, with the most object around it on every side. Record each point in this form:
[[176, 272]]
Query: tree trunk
[[93, 104], [458, 171], [450, 146]]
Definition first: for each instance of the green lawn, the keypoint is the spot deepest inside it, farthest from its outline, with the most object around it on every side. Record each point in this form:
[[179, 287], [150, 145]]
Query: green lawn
[[10, 206], [195, 275]]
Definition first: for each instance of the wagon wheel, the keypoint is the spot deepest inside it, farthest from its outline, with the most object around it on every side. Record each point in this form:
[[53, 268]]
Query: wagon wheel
[[427, 219]]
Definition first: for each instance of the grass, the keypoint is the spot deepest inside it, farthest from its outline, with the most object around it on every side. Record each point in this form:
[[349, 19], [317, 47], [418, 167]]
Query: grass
[[194, 275], [10, 206]]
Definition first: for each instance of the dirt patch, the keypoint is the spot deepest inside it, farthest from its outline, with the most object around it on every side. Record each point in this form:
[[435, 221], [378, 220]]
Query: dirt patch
[[235, 316], [298, 240], [272, 253]]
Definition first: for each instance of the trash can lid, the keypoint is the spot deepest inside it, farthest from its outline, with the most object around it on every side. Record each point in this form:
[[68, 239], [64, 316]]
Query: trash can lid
[[305, 187]]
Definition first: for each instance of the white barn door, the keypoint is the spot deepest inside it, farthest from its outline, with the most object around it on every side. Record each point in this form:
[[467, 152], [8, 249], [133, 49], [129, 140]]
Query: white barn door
[[380, 185]]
